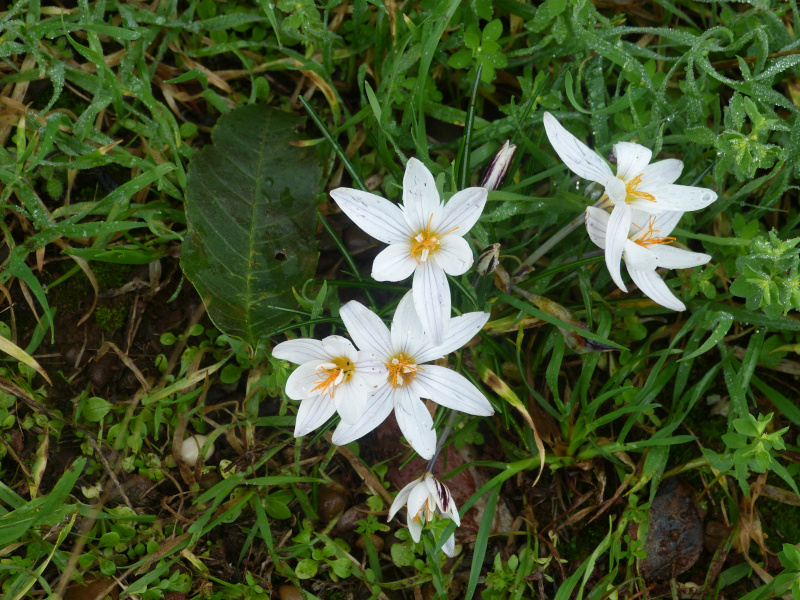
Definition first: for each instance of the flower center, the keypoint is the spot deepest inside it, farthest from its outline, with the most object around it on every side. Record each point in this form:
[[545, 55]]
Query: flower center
[[649, 238], [425, 513], [426, 242], [633, 194], [402, 370], [332, 374]]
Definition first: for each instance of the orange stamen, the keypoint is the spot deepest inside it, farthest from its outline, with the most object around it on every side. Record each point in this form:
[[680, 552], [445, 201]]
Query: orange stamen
[[631, 186], [331, 377], [650, 239], [426, 242], [402, 370]]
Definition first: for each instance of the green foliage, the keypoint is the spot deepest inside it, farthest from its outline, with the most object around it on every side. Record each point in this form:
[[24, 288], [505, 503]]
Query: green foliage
[[483, 48], [753, 451], [512, 580], [770, 279]]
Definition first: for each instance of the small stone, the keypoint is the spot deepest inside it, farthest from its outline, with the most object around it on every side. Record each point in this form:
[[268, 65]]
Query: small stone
[[190, 449], [330, 501], [289, 592]]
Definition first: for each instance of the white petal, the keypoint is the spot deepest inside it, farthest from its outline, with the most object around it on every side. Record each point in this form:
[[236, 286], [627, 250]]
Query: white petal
[[420, 197], [301, 351], [676, 258], [619, 225], [653, 287], [379, 404], [305, 378], [377, 216], [631, 159], [407, 333], [367, 330], [616, 190], [461, 330], [576, 155], [663, 171], [394, 263], [351, 400], [339, 347], [312, 413], [417, 500], [415, 421], [454, 255], [665, 222], [463, 210], [448, 388], [444, 500], [432, 301], [449, 547], [415, 528], [596, 224], [401, 499], [370, 369], [680, 197], [639, 258]]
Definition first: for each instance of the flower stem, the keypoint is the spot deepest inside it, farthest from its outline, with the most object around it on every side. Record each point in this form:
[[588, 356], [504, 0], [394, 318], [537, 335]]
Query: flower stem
[[603, 202], [451, 419]]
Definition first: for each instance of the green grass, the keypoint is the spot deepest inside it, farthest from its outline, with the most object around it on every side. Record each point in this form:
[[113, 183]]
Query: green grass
[[105, 104]]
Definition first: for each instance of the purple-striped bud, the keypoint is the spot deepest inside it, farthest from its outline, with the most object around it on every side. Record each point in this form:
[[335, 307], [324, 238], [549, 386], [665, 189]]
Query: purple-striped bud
[[500, 163]]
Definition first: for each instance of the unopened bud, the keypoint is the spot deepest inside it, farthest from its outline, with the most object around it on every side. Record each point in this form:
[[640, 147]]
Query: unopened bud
[[488, 260], [497, 170]]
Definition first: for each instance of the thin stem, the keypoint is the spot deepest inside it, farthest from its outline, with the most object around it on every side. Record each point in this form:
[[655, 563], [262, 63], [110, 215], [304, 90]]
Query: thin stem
[[567, 229], [451, 418]]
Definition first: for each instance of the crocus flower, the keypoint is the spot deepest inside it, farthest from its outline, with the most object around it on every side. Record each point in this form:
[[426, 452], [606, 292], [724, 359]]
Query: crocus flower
[[499, 166], [647, 248], [425, 237], [405, 351], [332, 377], [425, 497], [637, 185]]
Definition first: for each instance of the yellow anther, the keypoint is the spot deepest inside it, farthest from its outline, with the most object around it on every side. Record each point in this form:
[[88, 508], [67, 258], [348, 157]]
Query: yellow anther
[[633, 193]]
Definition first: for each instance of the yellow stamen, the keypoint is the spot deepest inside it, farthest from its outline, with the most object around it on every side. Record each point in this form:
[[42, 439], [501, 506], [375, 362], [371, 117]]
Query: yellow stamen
[[426, 242], [331, 377], [402, 370], [650, 239], [633, 193]]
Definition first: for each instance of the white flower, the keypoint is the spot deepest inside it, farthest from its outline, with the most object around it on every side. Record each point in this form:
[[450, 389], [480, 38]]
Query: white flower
[[500, 163], [425, 497], [405, 351], [425, 238], [637, 185], [646, 248], [332, 377]]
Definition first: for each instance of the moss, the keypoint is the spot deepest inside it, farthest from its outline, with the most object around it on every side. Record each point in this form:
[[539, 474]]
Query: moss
[[110, 317], [780, 522]]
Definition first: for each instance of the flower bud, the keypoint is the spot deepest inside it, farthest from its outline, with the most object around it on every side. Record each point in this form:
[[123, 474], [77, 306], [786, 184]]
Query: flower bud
[[488, 260], [497, 170]]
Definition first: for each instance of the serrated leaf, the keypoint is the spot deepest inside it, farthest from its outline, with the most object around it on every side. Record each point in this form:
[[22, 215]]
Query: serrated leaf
[[250, 208]]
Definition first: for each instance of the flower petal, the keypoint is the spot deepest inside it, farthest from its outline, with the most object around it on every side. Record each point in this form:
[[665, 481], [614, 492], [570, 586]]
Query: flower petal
[[377, 216], [432, 300], [460, 330], [449, 547], [665, 222], [351, 400], [581, 160], [414, 528], [448, 388], [407, 333], [444, 500], [454, 255], [401, 499], [370, 369], [619, 225], [305, 378], [312, 413], [367, 330], [394, 263], [680, 197], [301, 351], [638, 257], [676, 258], [417, 501], [339, 347], [379, 405], [632, 159], [415, 421], [663, 171], [463, 210], [596, 225], [616, 190], [420, 197], [654, 288]]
